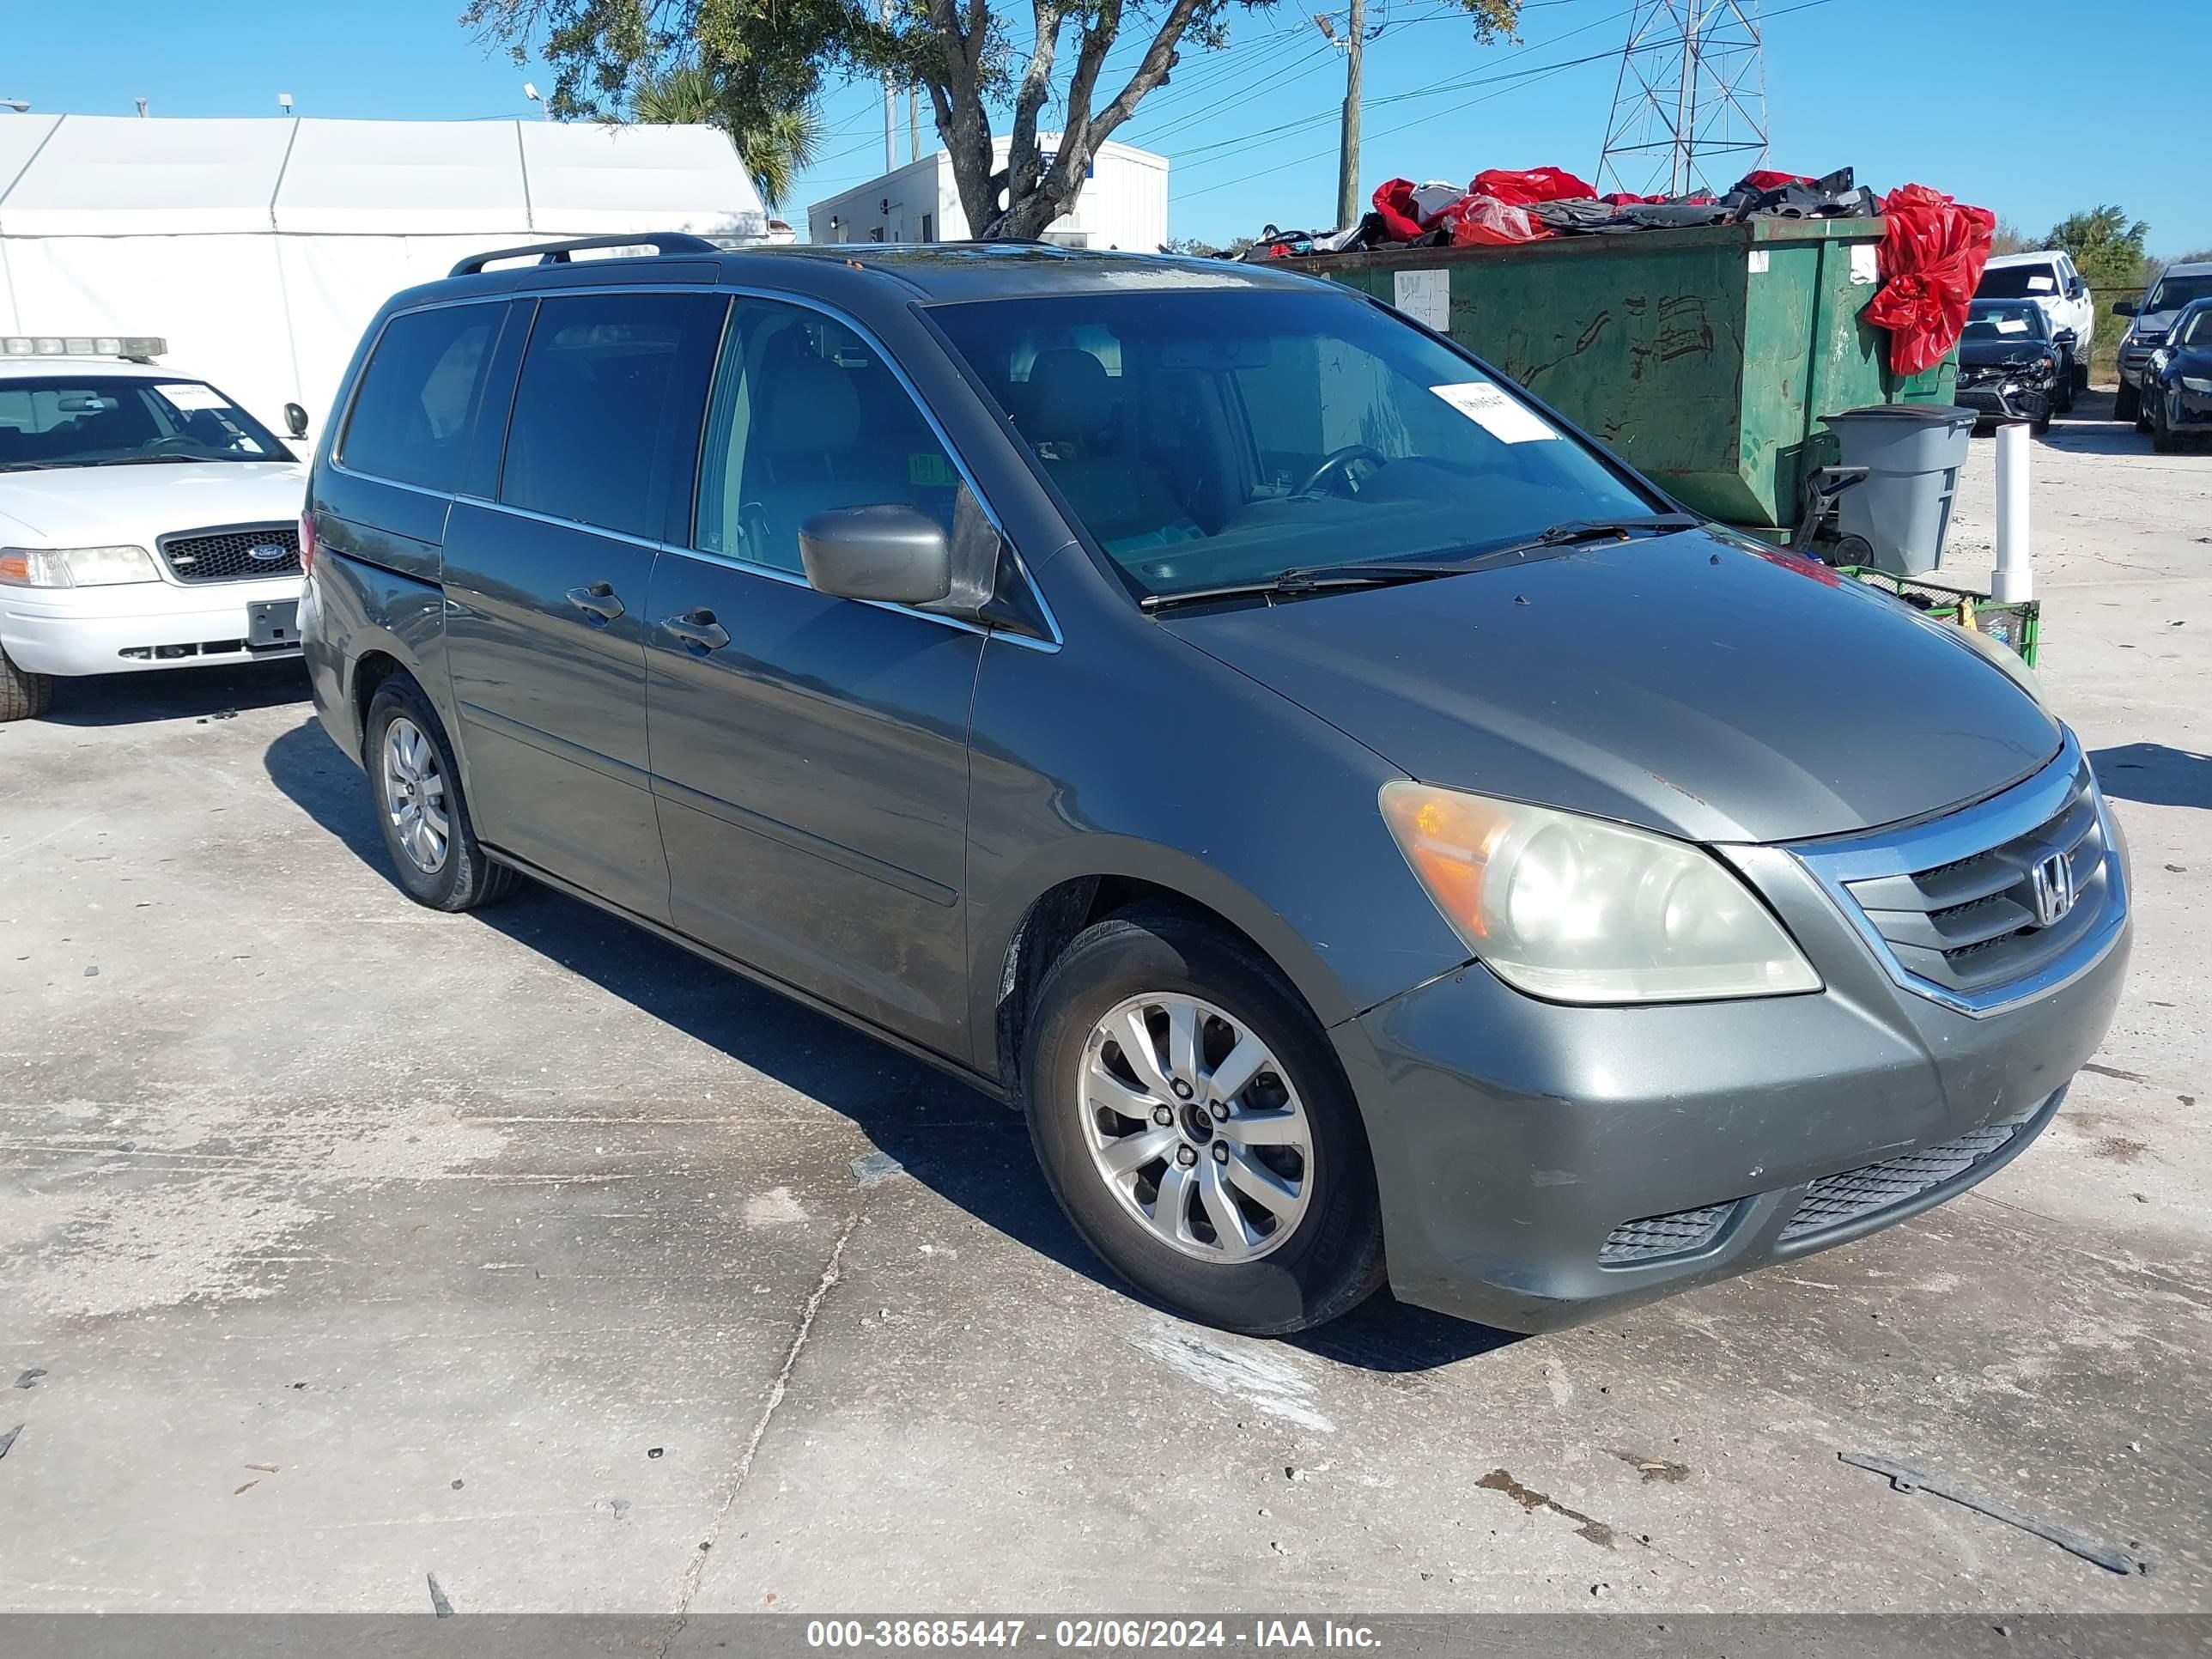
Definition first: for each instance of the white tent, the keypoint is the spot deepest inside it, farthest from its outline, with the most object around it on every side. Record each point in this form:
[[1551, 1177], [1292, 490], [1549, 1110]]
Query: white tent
[[260, 249]]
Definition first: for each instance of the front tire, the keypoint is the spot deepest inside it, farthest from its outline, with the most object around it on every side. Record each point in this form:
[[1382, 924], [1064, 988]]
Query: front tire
[[1196, 1127], [2127, 403], [2162, 438], [416, 787], [24, 696]]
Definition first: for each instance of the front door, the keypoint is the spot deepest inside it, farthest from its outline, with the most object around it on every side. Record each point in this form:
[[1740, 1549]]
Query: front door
[[547, 586], [810, 754]]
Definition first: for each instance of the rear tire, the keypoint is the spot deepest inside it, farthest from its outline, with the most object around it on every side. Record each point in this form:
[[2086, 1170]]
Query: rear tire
[[24, 696], [417, 787], [1290, 1132], [2126, 402]]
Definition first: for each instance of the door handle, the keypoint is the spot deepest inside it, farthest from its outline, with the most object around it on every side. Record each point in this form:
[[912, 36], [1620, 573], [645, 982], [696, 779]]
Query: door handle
[[598, 598], [698, 631]]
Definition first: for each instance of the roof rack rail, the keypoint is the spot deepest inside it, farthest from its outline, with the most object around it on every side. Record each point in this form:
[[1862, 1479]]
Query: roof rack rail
[[556, 253]]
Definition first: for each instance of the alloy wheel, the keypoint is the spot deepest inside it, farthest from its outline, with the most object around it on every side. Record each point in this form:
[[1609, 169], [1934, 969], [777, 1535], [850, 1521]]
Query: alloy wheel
[[415, 795], [1195, 1127]]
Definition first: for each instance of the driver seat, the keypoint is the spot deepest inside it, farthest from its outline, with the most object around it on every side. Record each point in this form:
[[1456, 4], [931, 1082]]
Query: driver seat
[[1075, 420]]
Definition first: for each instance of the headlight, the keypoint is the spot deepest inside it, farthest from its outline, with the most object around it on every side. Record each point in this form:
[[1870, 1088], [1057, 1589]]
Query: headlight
[[75, 567], [2197, 384], [1580, 910]]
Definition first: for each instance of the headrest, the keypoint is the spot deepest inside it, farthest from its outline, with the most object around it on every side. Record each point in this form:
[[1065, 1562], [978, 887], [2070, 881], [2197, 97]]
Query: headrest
[[1070, 396], [810, 406]]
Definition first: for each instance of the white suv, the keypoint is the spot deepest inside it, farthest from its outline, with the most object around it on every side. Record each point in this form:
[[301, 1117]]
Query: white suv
[[146, 520], [2050, 279]]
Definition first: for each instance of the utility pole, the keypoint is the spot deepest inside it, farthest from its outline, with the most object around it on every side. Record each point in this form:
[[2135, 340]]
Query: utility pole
[[1347, 160], [890, 110], [913, 125]]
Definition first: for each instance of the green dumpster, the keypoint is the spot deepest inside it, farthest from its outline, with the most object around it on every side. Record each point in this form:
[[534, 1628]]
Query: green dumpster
[[1705, 357]]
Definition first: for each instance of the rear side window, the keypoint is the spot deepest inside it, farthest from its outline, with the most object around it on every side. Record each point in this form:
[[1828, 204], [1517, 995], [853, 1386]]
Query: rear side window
[[586, 440], [412, 418]]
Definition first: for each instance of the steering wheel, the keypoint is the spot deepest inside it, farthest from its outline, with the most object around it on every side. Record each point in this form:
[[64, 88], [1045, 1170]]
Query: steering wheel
[[171, 444], [1338, 462]]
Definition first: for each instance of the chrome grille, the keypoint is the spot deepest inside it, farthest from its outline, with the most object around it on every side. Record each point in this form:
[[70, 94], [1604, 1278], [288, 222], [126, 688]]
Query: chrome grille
[[1834, 1201], [1952, 908], [1655, 1236], [233, 554]]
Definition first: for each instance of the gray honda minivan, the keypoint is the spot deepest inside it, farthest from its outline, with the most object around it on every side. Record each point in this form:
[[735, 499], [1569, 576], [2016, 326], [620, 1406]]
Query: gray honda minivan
[[1368, 831]]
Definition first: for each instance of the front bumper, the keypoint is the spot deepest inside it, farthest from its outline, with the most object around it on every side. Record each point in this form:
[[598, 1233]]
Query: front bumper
[[1989, 400], [1541, 1165], [2135, 365], [89, 630]]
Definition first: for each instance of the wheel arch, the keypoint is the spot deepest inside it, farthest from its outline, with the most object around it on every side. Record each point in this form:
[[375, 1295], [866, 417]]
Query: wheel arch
[[1011, 958]]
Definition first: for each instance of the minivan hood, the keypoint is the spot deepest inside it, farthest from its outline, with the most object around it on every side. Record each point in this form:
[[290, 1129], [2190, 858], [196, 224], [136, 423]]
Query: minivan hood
[[1687, 683]]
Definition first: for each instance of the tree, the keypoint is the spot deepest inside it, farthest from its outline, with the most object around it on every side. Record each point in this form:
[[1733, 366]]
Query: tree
[[2009, 238], [2107, 246], [774, 143], [775, 54]]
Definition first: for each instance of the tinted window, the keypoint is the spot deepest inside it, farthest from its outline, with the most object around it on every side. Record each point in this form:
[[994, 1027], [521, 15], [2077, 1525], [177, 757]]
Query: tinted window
[[1215, 436], [586, 440], [412, 418], [2174, 292], [806, 416]]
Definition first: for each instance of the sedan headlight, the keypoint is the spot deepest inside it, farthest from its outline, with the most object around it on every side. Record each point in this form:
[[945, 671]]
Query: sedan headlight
[[75, 567], [2197, 384], [1577, 909]]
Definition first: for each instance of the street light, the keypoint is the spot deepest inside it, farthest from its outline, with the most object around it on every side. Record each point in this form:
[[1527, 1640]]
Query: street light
[[529, 91], [20, 105]]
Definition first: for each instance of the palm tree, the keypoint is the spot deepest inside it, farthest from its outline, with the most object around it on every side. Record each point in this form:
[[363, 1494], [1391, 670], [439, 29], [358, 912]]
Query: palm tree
[[774, 143]]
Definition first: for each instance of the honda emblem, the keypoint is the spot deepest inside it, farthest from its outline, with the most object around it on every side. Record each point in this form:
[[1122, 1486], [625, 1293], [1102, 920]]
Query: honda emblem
[[2053, 879]]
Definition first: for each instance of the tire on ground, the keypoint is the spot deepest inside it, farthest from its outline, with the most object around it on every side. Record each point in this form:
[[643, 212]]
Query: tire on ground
[[24, 696], [468, 880], [1334, 1261]]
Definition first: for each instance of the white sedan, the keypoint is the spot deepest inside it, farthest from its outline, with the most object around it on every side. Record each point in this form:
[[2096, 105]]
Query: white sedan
[[146, 521]]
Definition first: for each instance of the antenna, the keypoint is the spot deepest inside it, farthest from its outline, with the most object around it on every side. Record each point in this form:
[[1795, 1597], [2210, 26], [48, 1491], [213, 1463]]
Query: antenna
[[284, 102], [1691, 89]]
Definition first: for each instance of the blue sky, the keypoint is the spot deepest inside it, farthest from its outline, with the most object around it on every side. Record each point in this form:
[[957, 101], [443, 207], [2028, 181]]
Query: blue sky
[[1901, 89]]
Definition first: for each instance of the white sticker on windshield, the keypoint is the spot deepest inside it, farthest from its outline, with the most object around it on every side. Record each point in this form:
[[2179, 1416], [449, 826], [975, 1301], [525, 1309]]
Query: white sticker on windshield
[[1494, 413], [2012, 324], [191, 394], [2041, 284]]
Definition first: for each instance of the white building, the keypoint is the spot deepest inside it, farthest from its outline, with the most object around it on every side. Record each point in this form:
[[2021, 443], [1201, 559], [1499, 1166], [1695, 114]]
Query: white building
[[1124, 203], [260, 248]]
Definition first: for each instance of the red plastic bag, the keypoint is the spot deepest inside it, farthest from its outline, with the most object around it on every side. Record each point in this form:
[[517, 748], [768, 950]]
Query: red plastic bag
[[1763, 179], [1394, 200], [1536, 184], [1486, 221], [1933, 250]]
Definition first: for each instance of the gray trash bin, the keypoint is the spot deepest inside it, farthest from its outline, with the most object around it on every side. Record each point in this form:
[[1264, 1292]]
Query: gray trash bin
[[1912, 453]]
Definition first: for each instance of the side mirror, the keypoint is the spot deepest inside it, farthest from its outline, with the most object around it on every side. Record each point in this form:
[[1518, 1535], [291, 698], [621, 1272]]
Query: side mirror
[[890, 553], [2074, 290], [2065, 336], [2123, 308], [296, 420]]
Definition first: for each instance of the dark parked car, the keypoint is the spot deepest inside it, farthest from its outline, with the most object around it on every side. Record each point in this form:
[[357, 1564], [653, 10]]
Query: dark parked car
[[2008, 368], [1367, 828], [2177, 385], [2177, 286]]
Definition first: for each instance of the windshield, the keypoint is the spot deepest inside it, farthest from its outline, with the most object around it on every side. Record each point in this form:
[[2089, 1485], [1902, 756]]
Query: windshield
[[116, 420], [1214, 437], [2004, 320], [2019, 282], [2174, 292], [2195, 330]]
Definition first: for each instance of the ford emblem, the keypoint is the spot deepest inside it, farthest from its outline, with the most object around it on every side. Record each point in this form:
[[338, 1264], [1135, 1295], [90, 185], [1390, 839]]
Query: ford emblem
[[268, 552]]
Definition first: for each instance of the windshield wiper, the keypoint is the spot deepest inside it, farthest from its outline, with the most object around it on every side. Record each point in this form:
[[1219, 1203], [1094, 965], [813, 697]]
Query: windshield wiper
[[1323, 578], [146, 460]]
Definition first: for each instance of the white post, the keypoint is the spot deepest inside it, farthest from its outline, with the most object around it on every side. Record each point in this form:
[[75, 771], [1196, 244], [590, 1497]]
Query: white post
[[2012, 582]]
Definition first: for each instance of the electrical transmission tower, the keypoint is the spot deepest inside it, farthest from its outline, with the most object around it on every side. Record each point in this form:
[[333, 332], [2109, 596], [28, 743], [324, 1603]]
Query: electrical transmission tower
[[1692, 90]]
